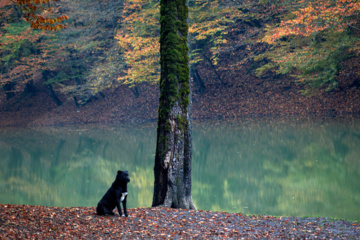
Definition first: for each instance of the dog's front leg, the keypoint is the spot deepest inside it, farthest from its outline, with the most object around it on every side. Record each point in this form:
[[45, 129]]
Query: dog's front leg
[[119, 207], [124, 206]]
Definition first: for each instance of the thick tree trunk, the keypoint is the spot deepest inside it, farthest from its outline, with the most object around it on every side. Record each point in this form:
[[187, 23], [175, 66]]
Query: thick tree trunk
[[172, 187]]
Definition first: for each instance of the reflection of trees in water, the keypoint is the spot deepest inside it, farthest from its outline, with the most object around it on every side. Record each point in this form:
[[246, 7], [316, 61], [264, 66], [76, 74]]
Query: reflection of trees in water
[[36, 170], [72, 168], [14, 167], [104, 149], [279, 169], [282, 169], [201, 150], [88, 146], [232, 177], [54, 175]]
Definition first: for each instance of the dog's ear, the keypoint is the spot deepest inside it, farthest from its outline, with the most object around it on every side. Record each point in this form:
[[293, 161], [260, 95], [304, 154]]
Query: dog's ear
[[119, 172]]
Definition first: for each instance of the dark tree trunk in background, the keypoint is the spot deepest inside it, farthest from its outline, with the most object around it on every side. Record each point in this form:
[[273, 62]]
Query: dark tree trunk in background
[[29, 88], [135, 91], [172, 187], [197, 79], [54, 96], [9, 89]]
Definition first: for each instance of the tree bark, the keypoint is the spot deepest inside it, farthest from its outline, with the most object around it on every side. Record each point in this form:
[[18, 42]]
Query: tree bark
[[172, 186]]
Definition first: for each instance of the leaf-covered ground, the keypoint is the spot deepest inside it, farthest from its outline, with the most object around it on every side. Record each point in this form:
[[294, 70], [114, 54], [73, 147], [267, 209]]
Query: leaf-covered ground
[[37, 222]]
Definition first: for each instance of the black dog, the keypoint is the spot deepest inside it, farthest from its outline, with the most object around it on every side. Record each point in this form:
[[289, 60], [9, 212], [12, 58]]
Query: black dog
[[117, 193]]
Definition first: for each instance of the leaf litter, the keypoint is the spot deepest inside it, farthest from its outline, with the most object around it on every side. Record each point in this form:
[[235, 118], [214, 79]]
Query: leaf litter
[[38, 222]]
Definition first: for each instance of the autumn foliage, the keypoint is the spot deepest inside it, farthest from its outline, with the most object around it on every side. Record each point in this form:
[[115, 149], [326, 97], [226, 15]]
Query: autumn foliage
[[42, 20], [138, 37], [76, 61], [312, 41], [112, 43], [139, 41], [317, 16]]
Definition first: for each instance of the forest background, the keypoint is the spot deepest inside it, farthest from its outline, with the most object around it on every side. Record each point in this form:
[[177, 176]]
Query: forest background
[[266, 58]]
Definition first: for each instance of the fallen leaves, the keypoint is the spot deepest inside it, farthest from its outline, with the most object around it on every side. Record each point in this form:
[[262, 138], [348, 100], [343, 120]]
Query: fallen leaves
[[21, 221]]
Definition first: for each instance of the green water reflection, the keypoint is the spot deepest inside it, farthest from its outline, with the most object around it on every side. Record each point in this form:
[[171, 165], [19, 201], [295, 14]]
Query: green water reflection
[[296, 168]]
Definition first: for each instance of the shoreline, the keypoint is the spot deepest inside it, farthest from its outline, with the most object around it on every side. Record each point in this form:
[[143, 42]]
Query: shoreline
[[292, 118]]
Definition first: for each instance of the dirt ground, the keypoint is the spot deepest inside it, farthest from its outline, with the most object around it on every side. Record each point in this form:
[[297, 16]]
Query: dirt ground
[[37, 222]]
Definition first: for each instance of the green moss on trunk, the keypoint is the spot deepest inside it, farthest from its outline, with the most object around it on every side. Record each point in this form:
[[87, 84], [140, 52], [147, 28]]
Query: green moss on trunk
[[174, 81]]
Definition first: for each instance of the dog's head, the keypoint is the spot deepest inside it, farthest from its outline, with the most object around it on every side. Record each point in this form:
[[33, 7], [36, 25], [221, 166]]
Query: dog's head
[[123, 176]]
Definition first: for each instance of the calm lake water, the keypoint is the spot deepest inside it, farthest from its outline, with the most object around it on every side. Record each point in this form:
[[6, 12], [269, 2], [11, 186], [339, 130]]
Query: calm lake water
[[282, 168]]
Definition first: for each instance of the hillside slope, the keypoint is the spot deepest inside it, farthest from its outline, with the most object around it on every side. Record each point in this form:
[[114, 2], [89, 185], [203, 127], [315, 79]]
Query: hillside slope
[[229, 90], [241, 96]]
